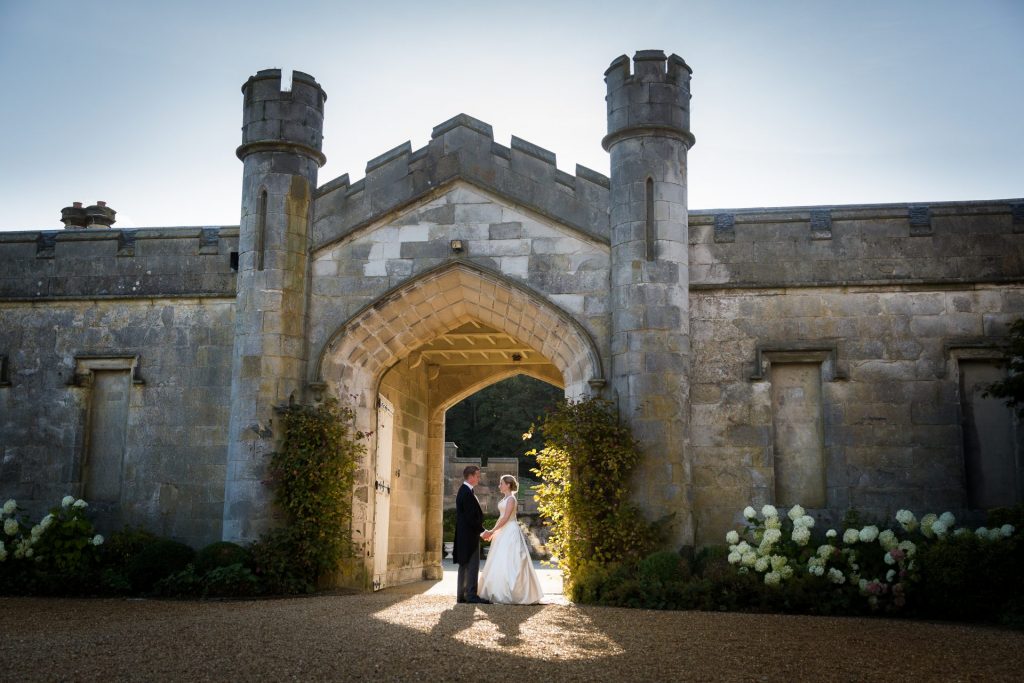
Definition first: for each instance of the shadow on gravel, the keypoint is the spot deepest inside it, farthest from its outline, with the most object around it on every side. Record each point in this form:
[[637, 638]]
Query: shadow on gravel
[[426, 638]]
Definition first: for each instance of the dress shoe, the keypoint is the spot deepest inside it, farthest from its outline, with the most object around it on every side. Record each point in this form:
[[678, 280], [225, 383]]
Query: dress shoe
[[461, 600], [478, 601]]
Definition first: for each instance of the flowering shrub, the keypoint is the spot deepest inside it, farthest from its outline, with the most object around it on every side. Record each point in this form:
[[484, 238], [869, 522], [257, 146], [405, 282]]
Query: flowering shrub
[[585, 468], [57, 554], [878, 564]]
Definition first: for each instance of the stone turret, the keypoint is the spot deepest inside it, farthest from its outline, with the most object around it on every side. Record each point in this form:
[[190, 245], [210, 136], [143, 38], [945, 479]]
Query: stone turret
[[648, 138], [281, 143]]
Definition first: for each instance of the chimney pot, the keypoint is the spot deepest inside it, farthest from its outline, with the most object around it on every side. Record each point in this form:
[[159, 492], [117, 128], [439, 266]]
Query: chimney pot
[[99, 215], [77, 205]]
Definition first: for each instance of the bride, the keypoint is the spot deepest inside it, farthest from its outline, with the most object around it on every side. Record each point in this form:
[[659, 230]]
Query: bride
[[508, 576]]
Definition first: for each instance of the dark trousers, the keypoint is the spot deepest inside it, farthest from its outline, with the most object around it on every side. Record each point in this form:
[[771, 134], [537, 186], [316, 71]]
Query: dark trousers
[[468, 574]]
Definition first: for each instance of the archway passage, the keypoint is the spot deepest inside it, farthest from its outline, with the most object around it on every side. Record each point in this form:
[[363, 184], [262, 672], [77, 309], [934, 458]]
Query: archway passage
[[414, 353]]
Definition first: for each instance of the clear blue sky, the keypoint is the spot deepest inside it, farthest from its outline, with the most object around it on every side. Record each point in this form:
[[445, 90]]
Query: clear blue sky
[[794, 103]]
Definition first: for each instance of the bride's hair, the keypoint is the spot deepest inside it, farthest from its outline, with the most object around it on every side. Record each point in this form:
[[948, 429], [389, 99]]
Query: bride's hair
[[513, 485]]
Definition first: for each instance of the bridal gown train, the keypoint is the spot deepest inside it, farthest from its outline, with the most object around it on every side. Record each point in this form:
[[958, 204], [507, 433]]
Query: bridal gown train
[[508, 576]]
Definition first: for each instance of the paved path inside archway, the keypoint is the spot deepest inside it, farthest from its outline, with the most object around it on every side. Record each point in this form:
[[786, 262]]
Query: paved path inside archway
[[404, 635], [550, 581]]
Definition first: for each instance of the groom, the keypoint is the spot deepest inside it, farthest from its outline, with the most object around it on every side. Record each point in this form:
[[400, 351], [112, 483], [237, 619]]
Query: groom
[[469, 524]]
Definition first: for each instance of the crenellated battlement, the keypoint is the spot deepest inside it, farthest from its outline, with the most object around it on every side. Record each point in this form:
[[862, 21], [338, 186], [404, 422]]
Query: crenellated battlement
[[464, 148], [45, 265], [652, 99], [283, 120]]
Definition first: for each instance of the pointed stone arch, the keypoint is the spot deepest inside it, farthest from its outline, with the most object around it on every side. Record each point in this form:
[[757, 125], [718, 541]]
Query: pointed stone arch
[[437, 301], [387, 334]]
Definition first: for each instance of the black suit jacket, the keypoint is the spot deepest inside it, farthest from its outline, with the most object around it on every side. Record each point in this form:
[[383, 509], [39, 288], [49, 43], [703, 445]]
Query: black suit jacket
[[469, 522]]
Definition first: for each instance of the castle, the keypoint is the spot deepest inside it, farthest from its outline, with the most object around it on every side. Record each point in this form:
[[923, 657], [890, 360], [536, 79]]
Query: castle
[[833, 356]]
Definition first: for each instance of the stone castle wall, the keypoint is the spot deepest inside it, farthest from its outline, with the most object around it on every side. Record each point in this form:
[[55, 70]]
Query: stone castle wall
[[110, 390], [567, 267], [835, 355]]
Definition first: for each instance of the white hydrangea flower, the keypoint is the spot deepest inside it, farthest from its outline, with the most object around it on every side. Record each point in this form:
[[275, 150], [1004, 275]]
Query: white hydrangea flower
[[836, 576], [1007, 530], [824, 551], [11, 526], [889, 559], [806, 522], [97, 540], [10, 507], [906, 519], [29, 553], [67, 501], [801, 535], [734, 558], [743, 548], [749, 512], [851, 536], [36, 532], [890, 575], [786, 572], [831, 533], [46, 521], [772, 523], [908, 547], [948, 519], [772, 578], [939, 528], [982, 532], [887, 539], [863, 585], [868, 534], [769, 511], [778, 562], [796, 512], [749, 558], [773, 535], [994, 534], [732, 538], [926, 524], [960, 531], [817, 570], [815, 561], [762, 564], [80, 504]]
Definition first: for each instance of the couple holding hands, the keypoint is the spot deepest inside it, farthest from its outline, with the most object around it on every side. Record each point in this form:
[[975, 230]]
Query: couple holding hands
[[508, 576]]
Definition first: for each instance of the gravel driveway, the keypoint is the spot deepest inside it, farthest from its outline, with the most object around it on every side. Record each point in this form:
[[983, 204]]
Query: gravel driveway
[[416, 636]]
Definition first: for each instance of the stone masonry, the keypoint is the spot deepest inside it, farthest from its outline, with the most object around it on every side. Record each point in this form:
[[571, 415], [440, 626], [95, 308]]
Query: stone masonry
[[833, 356]]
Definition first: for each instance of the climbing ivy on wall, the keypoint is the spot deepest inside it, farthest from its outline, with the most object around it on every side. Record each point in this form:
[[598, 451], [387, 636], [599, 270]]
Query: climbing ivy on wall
[[312, 473], [585, 467], [1012, 388]]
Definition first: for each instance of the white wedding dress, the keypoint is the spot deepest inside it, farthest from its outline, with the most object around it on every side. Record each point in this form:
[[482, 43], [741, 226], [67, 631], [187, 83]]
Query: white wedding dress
[[508, 576]]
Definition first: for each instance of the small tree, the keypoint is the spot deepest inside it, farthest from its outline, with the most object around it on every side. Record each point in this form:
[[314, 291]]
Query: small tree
[[1012, 388], [585, 467]]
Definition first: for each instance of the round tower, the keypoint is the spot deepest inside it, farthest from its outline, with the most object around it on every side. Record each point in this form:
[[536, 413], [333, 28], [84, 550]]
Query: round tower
[[648, 138], [282, 133]]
